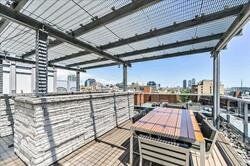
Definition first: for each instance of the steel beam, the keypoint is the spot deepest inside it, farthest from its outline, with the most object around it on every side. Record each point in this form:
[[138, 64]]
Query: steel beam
[[71, 56], [66, 68], [196, 51], [216, 89], [87, 62], [177, 27], [34, 62], [125, 78], [235, 28], [24, 20], [190, 52], [51, 44], [124, 11], [102, 65], [152, 49], [17, 6]]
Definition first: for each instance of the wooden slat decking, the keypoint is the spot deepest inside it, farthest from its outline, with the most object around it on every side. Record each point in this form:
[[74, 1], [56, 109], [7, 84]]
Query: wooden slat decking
[[7, 155], [214, 159], [110, 149], [229, 153]]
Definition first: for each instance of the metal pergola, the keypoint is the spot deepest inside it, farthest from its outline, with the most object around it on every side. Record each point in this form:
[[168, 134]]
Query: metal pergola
[[84, 34]]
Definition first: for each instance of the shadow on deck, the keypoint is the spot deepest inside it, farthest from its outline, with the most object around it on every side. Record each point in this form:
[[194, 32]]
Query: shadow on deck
[[110, 149]]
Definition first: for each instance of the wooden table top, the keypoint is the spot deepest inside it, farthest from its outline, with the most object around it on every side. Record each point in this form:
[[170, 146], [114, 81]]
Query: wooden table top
[[179, 124]]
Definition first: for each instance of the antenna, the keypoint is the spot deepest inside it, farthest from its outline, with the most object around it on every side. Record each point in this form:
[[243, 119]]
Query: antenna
[[241, 83]]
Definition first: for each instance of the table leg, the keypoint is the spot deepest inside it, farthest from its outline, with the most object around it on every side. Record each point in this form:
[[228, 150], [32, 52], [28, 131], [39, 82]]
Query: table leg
[[202, 153], [131, 148]]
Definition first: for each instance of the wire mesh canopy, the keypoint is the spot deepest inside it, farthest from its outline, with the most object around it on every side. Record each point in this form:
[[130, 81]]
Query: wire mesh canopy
[[119, 31]]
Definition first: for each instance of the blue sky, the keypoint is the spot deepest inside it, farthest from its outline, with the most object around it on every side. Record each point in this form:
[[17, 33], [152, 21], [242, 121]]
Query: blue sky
[[235, 66]]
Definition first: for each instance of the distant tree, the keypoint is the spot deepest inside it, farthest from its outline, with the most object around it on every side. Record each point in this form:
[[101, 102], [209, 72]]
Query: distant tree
[[185, 95]]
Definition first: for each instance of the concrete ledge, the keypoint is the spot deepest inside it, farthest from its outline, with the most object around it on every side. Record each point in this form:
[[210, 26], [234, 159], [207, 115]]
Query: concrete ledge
[[6, 116], [49, 128]]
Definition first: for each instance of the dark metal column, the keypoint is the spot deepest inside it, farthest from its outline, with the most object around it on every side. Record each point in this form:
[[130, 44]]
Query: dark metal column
[[78, 81], [216, 89], [41, 62], [1, 76], [125, 76]]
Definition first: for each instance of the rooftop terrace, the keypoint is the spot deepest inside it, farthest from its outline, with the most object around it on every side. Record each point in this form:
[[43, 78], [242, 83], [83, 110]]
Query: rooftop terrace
[[107, 145], [94, 128], [110, 149]]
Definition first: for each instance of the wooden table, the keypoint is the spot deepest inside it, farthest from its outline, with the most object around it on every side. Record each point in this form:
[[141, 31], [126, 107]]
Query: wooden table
[[175, 124]]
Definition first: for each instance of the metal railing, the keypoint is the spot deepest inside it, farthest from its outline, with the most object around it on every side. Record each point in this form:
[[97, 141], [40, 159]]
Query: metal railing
[[242, 113], [231, 108]]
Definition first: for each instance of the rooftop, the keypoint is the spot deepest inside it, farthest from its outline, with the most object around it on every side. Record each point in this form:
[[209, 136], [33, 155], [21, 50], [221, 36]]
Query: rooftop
[[94, 128]]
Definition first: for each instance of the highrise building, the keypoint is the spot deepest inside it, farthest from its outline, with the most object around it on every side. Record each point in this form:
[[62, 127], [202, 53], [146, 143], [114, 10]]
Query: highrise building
[[90, 82], [193, 81], [184, 84], [189, 83]]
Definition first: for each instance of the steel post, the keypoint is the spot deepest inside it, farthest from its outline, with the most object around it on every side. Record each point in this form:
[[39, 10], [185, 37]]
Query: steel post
[[41, 62], [245, 123], [77, 81], [55, 80], [125, 75], [12, 78], [1, 76], [216, 89], [228, 111], [239, 107], [33, 79]]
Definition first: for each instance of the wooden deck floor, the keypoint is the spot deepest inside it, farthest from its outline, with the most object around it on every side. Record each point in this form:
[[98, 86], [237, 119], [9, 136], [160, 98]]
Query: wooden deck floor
[[110, 149], [7, 155], [213, 159]]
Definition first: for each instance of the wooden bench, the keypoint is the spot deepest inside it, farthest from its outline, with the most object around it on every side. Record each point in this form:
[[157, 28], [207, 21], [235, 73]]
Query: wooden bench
[[199, 117], [213, 159], [162, 152], [141, 114], [227, 151], [208, 131]]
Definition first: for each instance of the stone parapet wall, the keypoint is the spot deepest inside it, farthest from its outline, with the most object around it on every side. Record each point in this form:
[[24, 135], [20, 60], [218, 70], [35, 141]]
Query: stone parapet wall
[[49, 128], [6, 115]]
